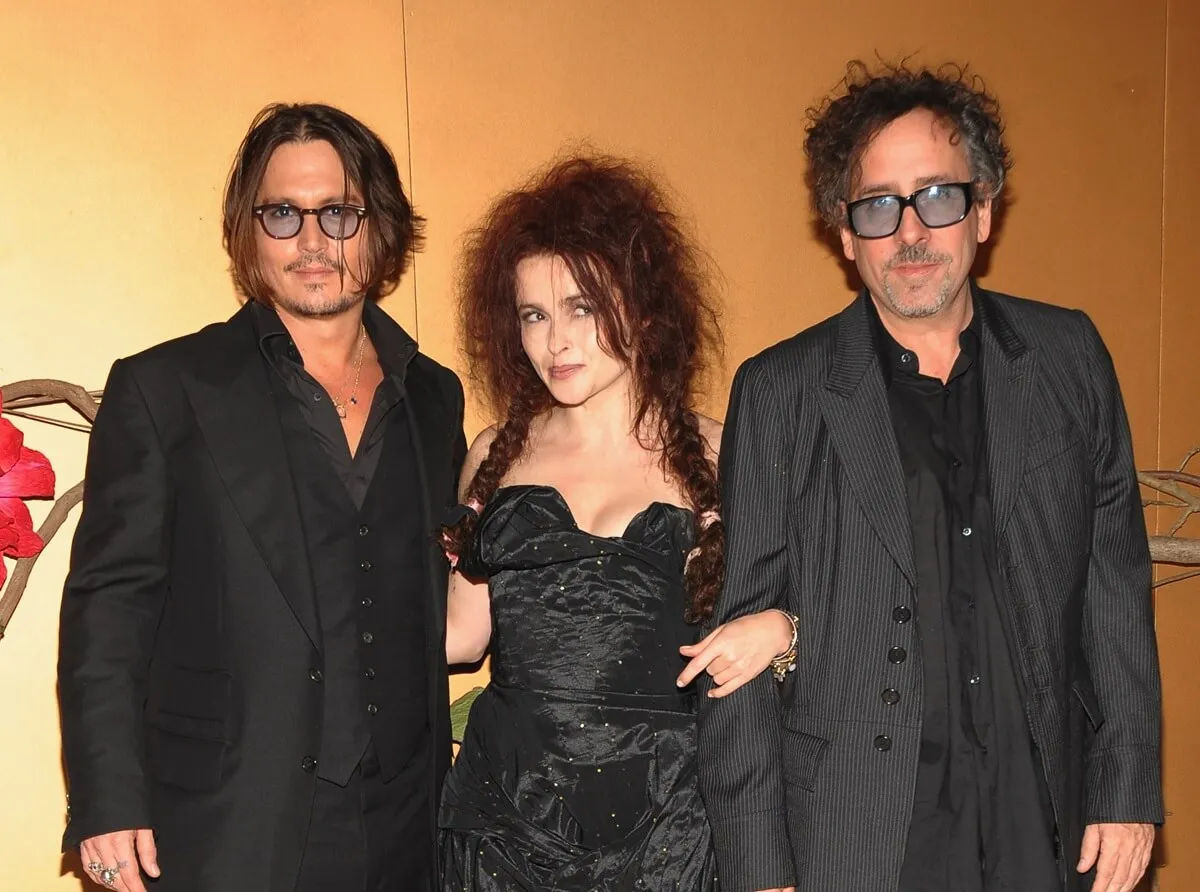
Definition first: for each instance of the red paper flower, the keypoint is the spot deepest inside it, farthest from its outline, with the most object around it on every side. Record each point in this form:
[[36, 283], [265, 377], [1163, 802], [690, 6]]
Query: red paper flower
[[24, 474]]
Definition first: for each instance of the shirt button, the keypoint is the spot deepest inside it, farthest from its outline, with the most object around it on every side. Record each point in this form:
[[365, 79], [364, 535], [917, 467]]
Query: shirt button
[[955, 463], [367, 637], [897, 655], [974, 679], [366, 565], [363, 530], [315, 675], [906, 356], [369, 673], [316, 397], [367, 602], [372, 708], [309, 764], [891, 696], [883, 743], [902, 615], [966, 531]]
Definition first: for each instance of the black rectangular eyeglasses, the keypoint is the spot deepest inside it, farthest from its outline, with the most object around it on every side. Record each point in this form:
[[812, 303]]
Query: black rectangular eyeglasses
[[939, 205]]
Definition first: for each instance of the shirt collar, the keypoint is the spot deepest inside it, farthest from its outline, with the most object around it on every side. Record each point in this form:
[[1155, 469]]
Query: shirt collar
[[896, 358], [392, 343]]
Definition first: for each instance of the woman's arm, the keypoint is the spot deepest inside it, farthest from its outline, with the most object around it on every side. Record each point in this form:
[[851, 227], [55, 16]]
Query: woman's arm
[[737, 651], [468, 608]]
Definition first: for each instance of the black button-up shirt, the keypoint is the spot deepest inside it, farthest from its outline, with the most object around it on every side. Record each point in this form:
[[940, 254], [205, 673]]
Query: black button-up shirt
[[980, 820], [355, 471]]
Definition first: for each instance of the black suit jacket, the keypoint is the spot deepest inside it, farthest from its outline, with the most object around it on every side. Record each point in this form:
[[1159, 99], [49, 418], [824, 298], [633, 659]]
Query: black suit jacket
[[812, 782], [188, 619]]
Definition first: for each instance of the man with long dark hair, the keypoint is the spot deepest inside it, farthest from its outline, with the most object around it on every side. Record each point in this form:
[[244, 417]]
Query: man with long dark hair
[[939, 482], [251, 665]]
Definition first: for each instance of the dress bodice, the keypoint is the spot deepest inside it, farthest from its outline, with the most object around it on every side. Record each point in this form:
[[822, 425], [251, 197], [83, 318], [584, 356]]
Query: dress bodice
[[575, 611]]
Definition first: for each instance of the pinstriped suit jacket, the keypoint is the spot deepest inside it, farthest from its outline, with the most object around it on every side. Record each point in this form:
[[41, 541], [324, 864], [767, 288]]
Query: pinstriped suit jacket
[[797, 788]]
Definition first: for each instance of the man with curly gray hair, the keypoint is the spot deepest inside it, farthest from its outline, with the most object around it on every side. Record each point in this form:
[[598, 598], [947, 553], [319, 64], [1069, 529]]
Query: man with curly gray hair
[[938, 484]]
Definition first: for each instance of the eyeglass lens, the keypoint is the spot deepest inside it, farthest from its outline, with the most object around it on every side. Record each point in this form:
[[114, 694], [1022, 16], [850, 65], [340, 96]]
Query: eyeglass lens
[[942, 204]]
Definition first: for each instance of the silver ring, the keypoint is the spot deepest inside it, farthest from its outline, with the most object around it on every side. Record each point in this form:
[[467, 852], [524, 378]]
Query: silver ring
[[106, 875]]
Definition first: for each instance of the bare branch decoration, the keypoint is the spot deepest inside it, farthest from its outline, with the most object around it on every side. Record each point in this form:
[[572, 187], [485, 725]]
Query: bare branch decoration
[[17, 399], [1182, 490]]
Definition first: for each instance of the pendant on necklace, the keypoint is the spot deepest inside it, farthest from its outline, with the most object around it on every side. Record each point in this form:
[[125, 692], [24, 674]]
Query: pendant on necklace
[[341, 410], [354, 401]]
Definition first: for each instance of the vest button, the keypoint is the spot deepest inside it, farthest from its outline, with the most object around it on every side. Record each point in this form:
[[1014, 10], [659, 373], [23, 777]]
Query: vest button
[[891, 696], [897, 655], [309, 764], [902, 615], [883, 743], [367, 637], [315, 675], [372, 708], [363, 530], [366, 565], [369, 673], [367, 602]]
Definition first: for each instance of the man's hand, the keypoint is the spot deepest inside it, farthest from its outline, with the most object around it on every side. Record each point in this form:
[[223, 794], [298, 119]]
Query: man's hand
[[1123, 851], [121, 851]]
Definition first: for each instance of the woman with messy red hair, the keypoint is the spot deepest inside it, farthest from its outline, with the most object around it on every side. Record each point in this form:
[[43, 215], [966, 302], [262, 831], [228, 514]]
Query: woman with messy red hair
[[588, 545]]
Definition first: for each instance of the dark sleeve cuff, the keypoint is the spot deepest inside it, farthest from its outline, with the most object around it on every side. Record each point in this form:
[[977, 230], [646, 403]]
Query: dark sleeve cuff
[[753, 852], [1124, 785]]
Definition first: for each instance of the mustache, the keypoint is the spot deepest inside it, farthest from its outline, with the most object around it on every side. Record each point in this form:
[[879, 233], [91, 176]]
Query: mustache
[[307, 261], [918, 253]]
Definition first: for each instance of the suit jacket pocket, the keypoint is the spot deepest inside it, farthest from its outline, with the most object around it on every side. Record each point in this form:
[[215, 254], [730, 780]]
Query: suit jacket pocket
[[188, 733], [1090, 703], [802, 757], [184, 752], [1049, 447]]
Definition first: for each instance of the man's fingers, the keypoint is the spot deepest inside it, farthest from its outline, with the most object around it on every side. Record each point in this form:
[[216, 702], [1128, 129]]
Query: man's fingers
[[1106, 867], [105, 855], [147, 852], [1089, 850], [128, 863]]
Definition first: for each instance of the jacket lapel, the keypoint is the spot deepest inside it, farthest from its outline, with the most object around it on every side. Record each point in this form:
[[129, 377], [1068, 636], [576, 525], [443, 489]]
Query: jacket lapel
[[1008, 377], [237, 416], [855, 407]]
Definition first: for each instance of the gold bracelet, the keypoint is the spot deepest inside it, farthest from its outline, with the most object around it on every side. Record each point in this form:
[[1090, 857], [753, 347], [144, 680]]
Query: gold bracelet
[[786, 661]]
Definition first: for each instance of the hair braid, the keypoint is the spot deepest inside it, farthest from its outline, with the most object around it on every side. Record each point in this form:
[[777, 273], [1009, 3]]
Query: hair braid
[[504, 450], [685, 456]]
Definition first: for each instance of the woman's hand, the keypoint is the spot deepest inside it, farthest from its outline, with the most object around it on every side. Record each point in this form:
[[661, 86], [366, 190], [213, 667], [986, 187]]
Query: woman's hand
[[737, 651]]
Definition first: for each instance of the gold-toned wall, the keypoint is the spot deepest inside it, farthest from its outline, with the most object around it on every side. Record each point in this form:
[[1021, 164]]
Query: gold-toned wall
[[1178, 358], [120, 123]]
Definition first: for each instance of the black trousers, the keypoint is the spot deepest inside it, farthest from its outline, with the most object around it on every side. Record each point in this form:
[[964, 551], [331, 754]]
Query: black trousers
[[370, 836]]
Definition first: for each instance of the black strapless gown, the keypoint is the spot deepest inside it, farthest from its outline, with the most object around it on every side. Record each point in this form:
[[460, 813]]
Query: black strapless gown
[[578, 771]]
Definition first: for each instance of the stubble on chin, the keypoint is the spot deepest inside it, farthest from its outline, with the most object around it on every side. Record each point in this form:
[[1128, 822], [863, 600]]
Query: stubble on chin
[[920, 300], [316, 305]]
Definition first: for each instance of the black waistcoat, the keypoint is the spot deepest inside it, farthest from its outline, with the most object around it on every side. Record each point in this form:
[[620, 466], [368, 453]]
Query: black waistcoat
[[368, 574]]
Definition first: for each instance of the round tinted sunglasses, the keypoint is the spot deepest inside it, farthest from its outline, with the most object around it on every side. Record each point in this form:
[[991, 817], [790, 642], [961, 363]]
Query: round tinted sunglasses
[[338, 221]]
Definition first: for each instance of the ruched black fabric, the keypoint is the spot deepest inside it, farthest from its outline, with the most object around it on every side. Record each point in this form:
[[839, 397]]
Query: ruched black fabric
[[578, 769]]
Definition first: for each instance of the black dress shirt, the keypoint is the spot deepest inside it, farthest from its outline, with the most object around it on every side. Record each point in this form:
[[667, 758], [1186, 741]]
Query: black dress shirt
[[981, 820], [355, 471]]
